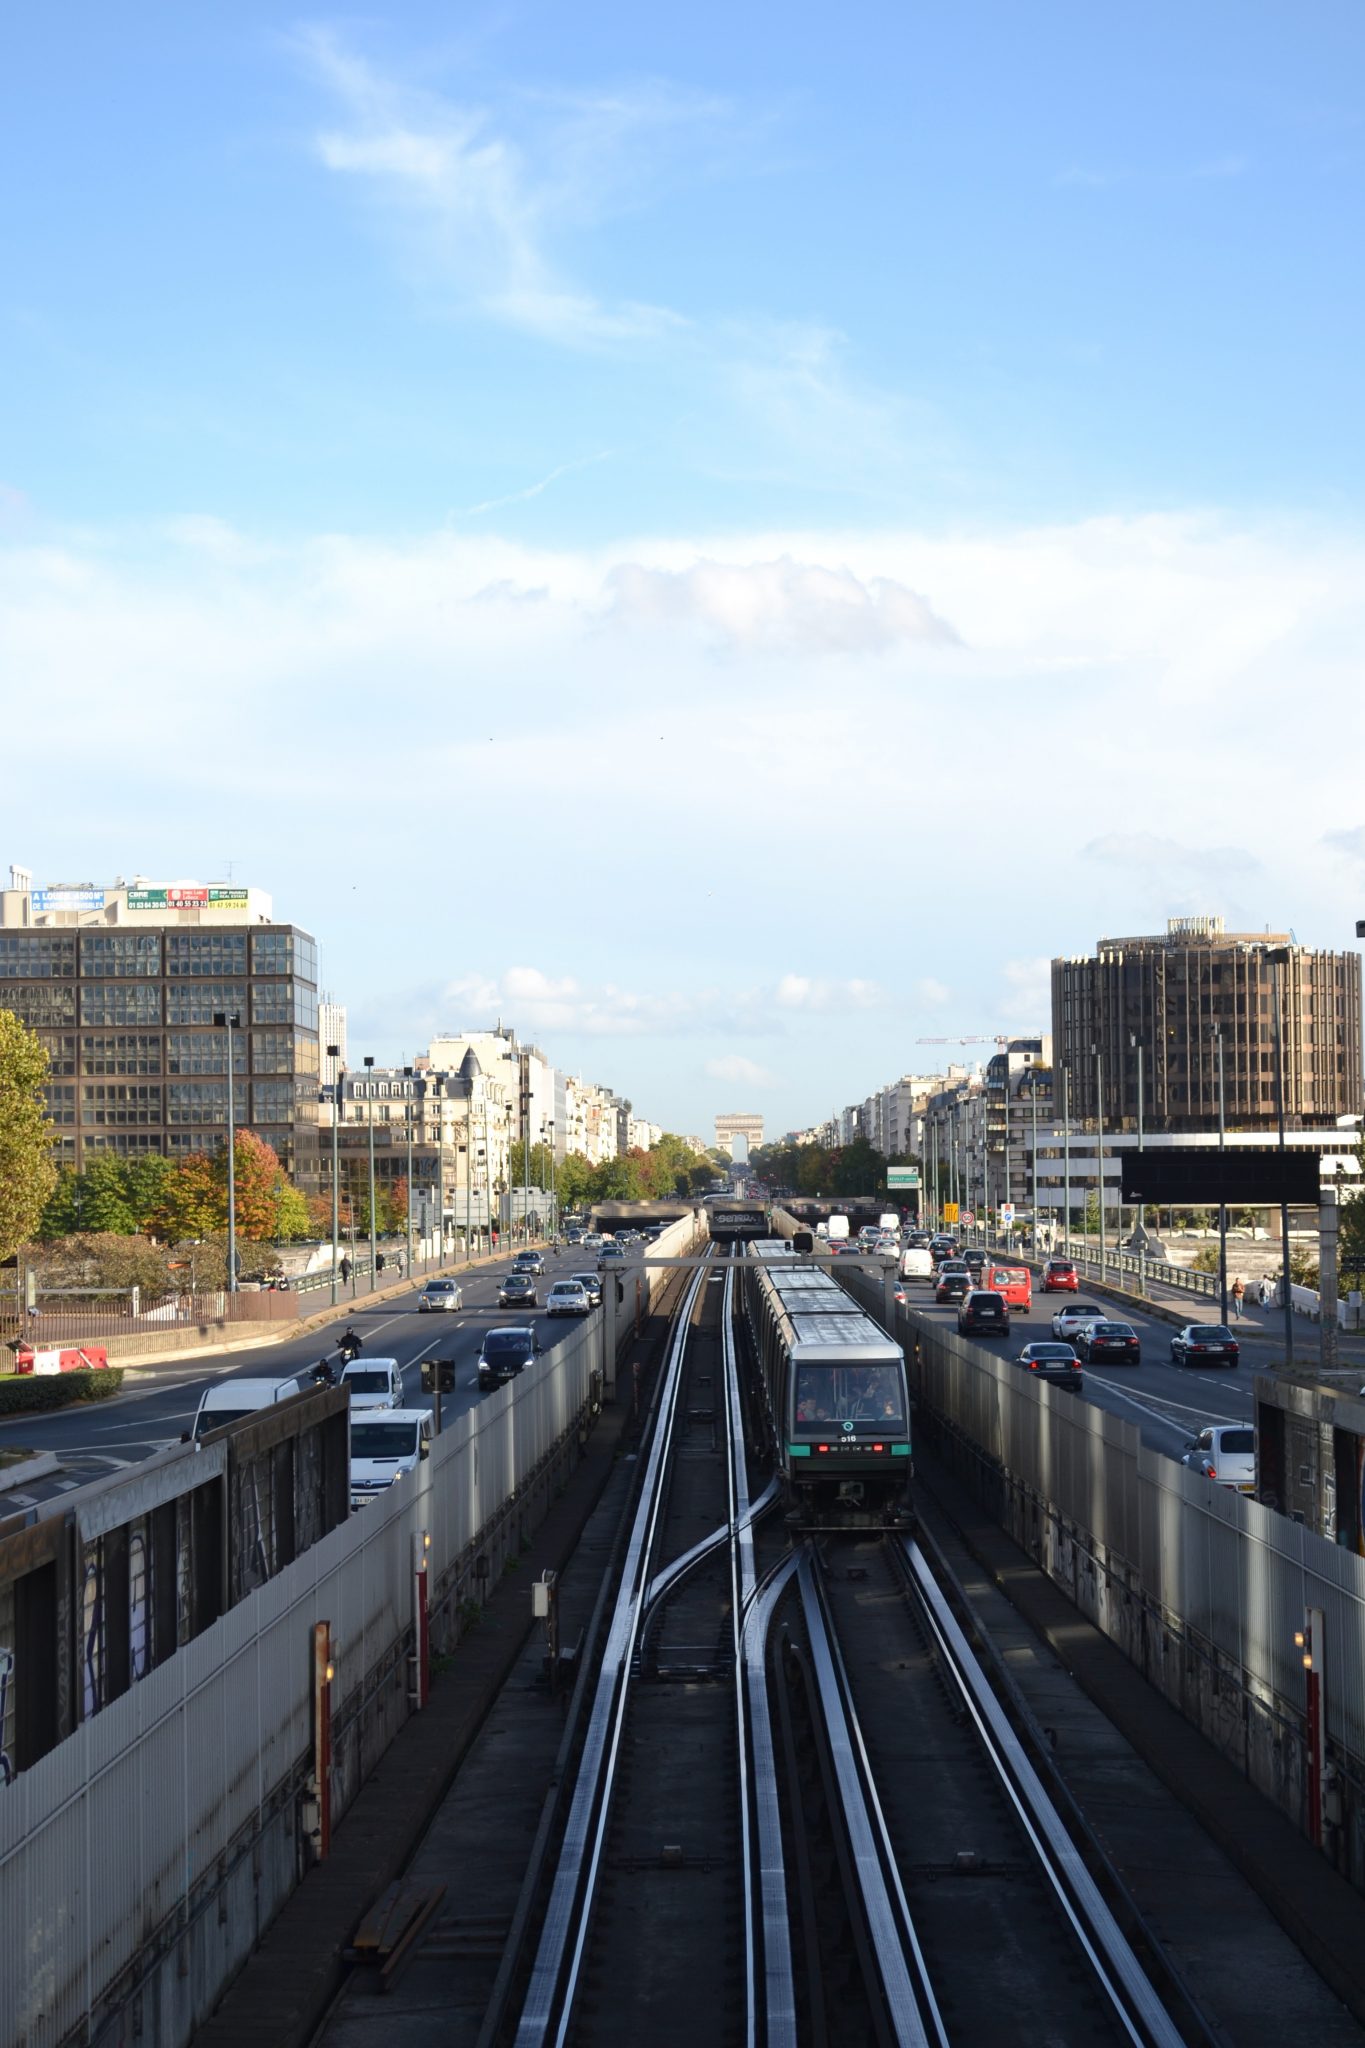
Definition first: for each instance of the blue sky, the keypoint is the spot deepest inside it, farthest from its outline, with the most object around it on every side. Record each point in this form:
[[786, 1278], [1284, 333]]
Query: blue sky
[[729, 537]]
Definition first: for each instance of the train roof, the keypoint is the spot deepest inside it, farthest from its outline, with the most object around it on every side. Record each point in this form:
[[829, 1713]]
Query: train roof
[[831, 1337]]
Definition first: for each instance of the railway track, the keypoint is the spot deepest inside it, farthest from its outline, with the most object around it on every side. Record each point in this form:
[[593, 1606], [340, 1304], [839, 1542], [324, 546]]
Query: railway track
[[943, 1825], [797, 1814]]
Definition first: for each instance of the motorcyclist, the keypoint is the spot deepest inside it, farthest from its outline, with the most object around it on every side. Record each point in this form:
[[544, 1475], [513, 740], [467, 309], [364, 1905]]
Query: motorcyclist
[[322, 1374], [349, 1346]]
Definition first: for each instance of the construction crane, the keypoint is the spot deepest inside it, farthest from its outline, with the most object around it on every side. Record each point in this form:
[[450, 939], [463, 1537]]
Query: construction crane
[[994, 1038]]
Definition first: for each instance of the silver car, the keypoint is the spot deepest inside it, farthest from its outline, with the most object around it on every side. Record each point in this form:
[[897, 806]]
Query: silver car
[[439, 1294], [567, 1298], [591, 1285]]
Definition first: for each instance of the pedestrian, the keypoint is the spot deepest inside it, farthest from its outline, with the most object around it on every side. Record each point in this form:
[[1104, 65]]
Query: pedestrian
[[1267, 1290], [345, 1271], [1238, 1290]]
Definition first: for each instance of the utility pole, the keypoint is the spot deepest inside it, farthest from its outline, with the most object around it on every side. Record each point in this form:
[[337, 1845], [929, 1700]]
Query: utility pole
[[227, 1020], [1066, 1151], [334, 1053], [1099, 1145], [1279, 957], [1222, 1188]]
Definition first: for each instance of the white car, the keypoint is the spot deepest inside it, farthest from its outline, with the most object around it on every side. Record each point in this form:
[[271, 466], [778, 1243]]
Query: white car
[[1227, 1454], [373, 1383], [385, 1444], [1075, 1316], [567, 1298]]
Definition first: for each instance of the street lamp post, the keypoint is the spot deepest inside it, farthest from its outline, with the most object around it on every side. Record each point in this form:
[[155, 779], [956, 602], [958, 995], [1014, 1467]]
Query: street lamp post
[[1279, 957], [1222, 1190], [369, 1124], [230, 1020], [1136, 1044], [407, 1116], [1099, 1146], [1066, 1151], [334, 1053]]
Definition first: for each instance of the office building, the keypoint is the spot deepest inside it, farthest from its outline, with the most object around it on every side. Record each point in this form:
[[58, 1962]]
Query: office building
[[1151, 1012], [123, 985]]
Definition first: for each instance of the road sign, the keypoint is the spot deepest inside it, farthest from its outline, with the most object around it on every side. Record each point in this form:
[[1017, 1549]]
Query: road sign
[[950, 1212], [969, 1216], [1007, 1213], [902, 1176]]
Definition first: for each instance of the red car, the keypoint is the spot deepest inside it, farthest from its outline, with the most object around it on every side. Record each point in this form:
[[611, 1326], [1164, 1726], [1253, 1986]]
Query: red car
[[1059, 1277]]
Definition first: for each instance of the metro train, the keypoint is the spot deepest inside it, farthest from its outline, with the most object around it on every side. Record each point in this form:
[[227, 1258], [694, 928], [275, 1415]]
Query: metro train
[[834, 1395]]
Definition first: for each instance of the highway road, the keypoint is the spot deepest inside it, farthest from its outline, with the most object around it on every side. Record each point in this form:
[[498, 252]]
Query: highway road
[[94, 1439], [1169, 1403]]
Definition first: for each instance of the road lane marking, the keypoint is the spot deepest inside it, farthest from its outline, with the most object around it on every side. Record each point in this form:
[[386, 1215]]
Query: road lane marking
[[1203, 1413]]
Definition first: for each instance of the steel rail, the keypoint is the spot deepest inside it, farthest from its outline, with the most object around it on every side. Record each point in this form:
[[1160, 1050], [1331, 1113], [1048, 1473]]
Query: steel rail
[[566, 1921], [910, 2002], [1134, 2001], [741, 1594], [666, 1580], [779, 1988]]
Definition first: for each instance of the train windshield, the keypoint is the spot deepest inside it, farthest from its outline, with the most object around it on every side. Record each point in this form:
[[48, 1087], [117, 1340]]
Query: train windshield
[[869, 1395]]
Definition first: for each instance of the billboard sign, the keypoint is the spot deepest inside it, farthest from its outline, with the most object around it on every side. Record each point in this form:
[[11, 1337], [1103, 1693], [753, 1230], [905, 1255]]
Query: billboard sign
[[1203, 1176], [902, 1176], [193, 898], [66, 899], [950, 1212]]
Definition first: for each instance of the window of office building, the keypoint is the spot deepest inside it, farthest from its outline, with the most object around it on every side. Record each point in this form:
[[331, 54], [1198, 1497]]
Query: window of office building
[[120, 1052], [41, 1004], [270, 1002], [126, 954], [120, 1002], [198, 1002], [205, 952], [61, 1102], [120, 1104], [196, 1102], [61, 1055], [272, 1101], [42, 955], [204, 1052], [121, 1141], [272, 1052], [286, 952], [305, 1006]]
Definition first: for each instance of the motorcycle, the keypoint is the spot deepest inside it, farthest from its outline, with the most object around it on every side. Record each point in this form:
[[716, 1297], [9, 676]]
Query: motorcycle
[[322, 1374], [349, 1347]]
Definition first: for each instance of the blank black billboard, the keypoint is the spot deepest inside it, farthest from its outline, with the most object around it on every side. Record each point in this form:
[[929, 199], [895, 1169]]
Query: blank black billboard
[[1201, 1176]]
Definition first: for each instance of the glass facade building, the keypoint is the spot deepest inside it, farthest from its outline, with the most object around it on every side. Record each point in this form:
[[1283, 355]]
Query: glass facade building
[[137, 1063]]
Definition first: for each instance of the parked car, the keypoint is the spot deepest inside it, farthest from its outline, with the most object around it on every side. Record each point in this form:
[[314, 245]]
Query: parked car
[[373, 1383], [1052, 1361], [439, 1294], [567, 1298], [384, 1445], [984, 1313], [505, 1353], [518, 1290], [1060, 1277], [1205, 1344], [1075, 1316], [591, 1285], [1226, 1453], [528, 1262], [1103, 1339], [953, 1286]]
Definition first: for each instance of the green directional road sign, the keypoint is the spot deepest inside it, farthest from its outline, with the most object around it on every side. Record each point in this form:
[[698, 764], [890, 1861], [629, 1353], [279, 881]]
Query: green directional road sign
[[902, 1176]]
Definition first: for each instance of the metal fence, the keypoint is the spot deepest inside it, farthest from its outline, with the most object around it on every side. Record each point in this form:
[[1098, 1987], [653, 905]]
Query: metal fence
[[114, 1845], [1134, 1534]]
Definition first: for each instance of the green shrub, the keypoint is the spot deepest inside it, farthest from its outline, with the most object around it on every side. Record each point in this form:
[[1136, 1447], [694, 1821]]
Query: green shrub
[[56, 1390]]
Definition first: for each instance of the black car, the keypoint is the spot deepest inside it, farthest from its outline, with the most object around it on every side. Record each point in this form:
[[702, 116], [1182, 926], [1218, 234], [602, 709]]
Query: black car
[[975, 1263], [505, 1353], [953, 1286], [1118, 1341], [1205, 1344], [518, 1290], [981, 1310], [1050, 1360]]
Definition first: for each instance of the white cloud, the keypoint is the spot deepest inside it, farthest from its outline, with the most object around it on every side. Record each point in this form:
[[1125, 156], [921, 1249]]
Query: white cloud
[[781, 605], [479, 213], [745, 1073], [1350, 842], [800, 992], [931, 994], [1027, 1000]]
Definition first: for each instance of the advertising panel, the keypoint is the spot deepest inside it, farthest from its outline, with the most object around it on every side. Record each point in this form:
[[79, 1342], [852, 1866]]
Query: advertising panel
[[188, 898], [67, 899]]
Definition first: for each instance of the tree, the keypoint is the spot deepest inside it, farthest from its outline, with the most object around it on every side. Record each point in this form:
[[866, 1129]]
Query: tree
[[62, 1212], [106, 1258], [292, 1216], [192, 1204], [27, 1174]]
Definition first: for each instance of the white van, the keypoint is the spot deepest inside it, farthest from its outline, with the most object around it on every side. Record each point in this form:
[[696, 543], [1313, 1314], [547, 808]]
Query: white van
[[229, 1400], [373, 1383], [917, 1263], [837, 1229], [385, 1443], [890, 1222]]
